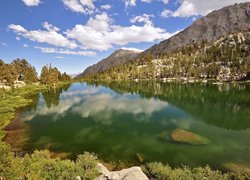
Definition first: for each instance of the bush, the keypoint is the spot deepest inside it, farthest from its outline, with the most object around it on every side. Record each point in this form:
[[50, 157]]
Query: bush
[[40, 165], [160, 171]]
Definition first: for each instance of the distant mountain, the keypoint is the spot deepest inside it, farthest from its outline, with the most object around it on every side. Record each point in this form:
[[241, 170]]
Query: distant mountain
[[215, 26], [219, 23], [74, 75], [117, 58]]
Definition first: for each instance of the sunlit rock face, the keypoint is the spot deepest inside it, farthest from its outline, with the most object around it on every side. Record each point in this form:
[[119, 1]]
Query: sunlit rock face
[[216, 24]]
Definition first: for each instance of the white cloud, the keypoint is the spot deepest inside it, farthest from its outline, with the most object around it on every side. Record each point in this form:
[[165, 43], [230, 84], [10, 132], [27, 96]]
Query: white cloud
[[51, 36], [166, 13], [132, 49], [80, 6], [100, 34], [145, 18], [108, 104], [60, 57], [25, 45], [50, 27], [56, 111], [106, 7], [198, 7], [149, 1], [65, 51], [3, 44], [17, 28], [18, 38], [31, 2], [130, 3]]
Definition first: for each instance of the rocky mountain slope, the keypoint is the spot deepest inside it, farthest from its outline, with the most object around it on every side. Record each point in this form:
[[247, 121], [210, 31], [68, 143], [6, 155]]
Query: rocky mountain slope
[[211, 30], [117, 58], [230, 19]]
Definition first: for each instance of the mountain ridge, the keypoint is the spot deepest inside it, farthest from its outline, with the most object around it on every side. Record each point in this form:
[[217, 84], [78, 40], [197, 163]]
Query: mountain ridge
[[117, 58], [217, 24]]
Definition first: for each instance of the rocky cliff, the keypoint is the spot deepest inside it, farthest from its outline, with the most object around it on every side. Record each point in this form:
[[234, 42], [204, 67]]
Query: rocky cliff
[[219, 23]]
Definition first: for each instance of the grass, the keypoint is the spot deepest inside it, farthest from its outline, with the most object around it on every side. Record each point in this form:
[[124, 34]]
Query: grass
[[13, 100]]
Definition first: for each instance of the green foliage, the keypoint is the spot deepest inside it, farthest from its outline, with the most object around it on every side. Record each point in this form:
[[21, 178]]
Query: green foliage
[[87, 162], [23, 71], [160, 171], [30, 75], [7, 74], [64, 77], [40, 165], [51, 75]]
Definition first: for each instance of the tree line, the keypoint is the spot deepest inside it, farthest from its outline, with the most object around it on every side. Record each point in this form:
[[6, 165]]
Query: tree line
[[226, 60], [21, 70]]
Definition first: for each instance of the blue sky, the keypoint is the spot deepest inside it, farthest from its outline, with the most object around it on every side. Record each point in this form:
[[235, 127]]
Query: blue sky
[[73, 34]]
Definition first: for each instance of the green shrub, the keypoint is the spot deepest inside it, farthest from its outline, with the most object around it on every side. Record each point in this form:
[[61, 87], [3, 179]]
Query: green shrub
[[160, 171], [87, 162], [40, 165]]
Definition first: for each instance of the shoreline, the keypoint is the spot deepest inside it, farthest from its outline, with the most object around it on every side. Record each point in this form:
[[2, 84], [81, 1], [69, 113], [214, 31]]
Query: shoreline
[[170, 80], [28, 101]]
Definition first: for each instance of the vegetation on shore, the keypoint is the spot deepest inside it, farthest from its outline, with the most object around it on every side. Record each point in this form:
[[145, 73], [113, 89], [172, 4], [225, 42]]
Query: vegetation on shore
[[158, 170], [41, 165], [21, 70]]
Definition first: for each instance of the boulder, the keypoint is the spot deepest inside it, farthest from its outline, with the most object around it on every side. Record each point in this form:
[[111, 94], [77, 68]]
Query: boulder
[[125, 174], [187, 137]]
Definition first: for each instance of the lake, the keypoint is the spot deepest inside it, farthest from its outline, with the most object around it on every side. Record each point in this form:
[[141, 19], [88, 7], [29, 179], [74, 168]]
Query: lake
[[132, 122]]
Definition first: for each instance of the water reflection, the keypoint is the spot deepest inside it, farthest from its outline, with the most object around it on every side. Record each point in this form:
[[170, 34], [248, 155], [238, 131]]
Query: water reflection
[[93, 102], [52, 97], [118, 120], [224, 105]]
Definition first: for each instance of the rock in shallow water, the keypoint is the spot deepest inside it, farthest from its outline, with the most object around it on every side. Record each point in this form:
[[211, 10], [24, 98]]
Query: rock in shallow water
[[133, 173], [183, 136]]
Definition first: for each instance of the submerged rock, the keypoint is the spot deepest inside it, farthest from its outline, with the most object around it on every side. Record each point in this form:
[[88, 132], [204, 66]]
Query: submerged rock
[[125, 174], [139, 157], [183, 136]]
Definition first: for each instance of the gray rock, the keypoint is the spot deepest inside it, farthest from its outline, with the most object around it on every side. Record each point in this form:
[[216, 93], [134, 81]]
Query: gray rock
[[133, 173], [78, 178], [219, 23]]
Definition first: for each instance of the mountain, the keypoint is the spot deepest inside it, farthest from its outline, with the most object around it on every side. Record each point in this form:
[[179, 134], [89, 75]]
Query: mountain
[[117, 58], [209, 48], [74, 75], [219, 23]]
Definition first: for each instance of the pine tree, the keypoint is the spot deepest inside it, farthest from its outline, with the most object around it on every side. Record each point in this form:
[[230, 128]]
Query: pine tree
[[44, 75], [19, 66], [30, 75]]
